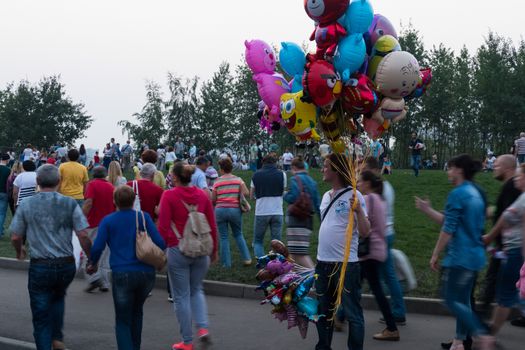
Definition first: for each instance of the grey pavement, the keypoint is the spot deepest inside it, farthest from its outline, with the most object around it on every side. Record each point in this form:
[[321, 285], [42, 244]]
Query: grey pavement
[[234, 323]]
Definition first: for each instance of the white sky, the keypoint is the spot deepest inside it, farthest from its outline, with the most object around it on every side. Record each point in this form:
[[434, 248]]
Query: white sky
[[105, 50]]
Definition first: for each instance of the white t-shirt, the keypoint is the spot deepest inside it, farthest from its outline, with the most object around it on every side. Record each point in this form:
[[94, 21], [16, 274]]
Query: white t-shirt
[[26, 183], [332, 233], [287, 158], [170, 157], [270, 205], [28, 154]]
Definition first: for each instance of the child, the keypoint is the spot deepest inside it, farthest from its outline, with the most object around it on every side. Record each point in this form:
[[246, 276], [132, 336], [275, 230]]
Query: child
[[96, 159], [387, 166]]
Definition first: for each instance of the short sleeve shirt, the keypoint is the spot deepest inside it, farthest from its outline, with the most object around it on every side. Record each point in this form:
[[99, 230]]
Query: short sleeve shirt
[[149, 195], [101, 193], [26, 183], [332, 233], [198, 179], [512, 235], [73, 176], [48, 220]]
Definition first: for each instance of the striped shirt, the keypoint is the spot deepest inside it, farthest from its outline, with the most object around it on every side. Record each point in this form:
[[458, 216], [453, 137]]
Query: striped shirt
[[520, 145], [26, 183], [228, 189]]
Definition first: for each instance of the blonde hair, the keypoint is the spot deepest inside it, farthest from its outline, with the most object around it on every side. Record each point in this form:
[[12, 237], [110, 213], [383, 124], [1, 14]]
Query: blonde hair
[[17, 168], [114, 172]]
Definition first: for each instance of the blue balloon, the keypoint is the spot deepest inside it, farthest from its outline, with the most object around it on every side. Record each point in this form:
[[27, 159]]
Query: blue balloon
[[308, 307], [359, 16], [350, 55], [293, 59]]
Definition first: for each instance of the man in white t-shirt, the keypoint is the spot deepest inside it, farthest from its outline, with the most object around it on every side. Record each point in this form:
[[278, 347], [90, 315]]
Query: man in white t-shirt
[[287, 160], [28, 153], [24, 185], [267, 187], [336, 206]]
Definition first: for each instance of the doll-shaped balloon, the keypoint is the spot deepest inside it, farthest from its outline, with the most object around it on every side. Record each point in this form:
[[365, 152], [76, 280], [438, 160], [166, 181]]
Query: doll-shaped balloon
[[278, 268], [292, 59], [380, 26], [360, 95], [426, 78], [261, 60], [328, 31], [358, 17], [384, 45], [330, 125], [350, 56], [278, 247], [397, 77], [264, 119], [300, 118], [321, 84]]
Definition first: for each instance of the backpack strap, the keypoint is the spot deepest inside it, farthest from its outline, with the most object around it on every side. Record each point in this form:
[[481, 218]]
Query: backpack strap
[[333, 201]]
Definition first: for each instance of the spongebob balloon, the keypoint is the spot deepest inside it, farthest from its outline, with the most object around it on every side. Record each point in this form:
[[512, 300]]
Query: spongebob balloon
[[299, 117]]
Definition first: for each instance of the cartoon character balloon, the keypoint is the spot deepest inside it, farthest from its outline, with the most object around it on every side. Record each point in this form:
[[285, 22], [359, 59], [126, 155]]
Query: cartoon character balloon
[[360, 95], [328, 31], [358, 17], [384, 45], [380, 26], [260, 57], [350, 55], [299, 117], [293, 59], [330, 125], [426, 78], [322, 85]]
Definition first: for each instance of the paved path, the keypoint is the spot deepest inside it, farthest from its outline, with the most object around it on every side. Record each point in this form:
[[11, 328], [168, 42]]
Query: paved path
[[235, 323]]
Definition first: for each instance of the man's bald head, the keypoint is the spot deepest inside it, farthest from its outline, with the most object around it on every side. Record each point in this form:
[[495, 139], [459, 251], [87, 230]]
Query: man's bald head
[[504, 167]]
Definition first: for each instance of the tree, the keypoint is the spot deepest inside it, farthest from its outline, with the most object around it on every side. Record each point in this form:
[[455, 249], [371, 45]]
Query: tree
[[41, 114], [151, 125]]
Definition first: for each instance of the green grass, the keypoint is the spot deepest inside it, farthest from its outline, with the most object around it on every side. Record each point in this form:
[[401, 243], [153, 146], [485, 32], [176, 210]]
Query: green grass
[[415, 234]]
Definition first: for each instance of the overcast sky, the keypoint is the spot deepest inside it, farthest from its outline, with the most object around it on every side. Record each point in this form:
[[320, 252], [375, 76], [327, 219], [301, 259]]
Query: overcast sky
[[105, 50]]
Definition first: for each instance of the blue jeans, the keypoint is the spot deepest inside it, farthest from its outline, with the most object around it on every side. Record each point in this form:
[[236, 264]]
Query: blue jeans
[[325, 286], [507, 294], [186, 276], [253, 165], [521, 158], [232, 217], [388, 273], [457, 284], [47, 287], [4, 203], [130, 291], [416, 160], [275, 222]]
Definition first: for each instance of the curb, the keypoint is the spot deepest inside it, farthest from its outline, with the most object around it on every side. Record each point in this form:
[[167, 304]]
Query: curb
[[13, 344], [245, 291]]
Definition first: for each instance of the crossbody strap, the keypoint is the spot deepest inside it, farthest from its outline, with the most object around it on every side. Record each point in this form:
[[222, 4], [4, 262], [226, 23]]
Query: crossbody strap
[[333, 201]]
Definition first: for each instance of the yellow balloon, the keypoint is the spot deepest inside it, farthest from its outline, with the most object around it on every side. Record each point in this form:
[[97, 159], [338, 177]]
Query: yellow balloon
[[300, 118], [384, 45]]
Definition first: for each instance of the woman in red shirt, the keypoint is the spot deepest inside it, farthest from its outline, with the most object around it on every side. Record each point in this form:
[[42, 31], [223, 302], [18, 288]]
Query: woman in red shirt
[[186, 274]]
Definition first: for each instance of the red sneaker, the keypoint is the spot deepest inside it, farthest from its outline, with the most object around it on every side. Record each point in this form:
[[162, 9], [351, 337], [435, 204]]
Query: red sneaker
[[203, 334], [182, 346]]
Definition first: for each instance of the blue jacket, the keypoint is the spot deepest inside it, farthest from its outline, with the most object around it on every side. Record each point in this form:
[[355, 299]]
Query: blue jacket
[[309, 185]]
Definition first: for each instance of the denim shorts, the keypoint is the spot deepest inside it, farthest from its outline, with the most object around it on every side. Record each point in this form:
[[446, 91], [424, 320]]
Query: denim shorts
[[507, 294]]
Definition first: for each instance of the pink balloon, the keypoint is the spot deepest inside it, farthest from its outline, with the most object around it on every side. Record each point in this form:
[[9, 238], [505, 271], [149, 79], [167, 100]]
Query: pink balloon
[[271, 87], [260, 57], [373, 128]]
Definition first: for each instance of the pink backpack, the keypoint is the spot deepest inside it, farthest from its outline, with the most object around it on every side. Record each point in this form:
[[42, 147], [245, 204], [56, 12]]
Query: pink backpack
[[521, 282]]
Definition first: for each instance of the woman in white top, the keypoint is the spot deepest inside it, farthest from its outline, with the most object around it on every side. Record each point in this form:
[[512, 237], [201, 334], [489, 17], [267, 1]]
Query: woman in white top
[[171, 157], [25, 183], [28, 152], [115, 174]]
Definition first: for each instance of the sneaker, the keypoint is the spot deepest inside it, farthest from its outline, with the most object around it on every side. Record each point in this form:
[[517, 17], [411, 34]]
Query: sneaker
[[485, 342], [247, 262], [400, 321], [58, 345], [104, 289], [518, 322], [467, 344], [182, 346], [92, 286], [203, 334], [387, 335]]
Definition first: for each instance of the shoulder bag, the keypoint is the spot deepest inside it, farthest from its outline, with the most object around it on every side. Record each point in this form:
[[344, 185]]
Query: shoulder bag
[[147, 251]]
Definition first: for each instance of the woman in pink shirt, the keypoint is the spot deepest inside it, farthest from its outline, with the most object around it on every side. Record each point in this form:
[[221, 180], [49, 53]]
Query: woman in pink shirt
[[186, 274], [371, 186]]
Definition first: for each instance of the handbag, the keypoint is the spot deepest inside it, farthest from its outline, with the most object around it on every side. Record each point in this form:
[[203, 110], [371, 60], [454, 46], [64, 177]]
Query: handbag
[[146, 250], [302, 208], [136, 203]]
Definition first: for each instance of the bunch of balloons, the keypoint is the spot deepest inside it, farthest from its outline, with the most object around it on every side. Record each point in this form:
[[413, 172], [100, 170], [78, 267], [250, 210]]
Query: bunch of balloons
[[359, 78], [286, 288]]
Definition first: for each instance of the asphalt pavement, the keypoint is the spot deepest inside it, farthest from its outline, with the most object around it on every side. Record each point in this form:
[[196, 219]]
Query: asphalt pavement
[[240, 324]]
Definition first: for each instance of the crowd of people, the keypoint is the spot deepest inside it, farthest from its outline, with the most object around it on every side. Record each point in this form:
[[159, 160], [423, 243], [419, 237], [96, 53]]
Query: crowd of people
[[50, 199]]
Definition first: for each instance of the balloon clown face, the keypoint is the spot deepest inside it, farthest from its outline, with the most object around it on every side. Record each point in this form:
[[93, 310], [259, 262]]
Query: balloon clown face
[[299, 117], [322, 85], [325, 11], [260, 57], [398, 75]]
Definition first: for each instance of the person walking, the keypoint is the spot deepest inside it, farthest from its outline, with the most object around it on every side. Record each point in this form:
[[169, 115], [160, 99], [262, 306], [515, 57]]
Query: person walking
[[47, 220], [107, 155], [287, 158], [115, 176], [186, 273], [127, 152], [98, 203], [82, 159], [4, 201], [179, 148], [171, 157], [228, 194], [371, 186], [336, 206], [24, 185], [388, 271], [462, 228], [132, 280], [415, 146], [299, 228], [149, 194], [267, 188], [16, 169], [73, 177], [150, 156], [511, 227], [519, 148], [198, 179]]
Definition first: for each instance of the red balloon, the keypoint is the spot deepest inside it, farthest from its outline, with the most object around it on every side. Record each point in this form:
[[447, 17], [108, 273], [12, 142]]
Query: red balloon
[[360, 96], [373, 128], [325, 11], [321, 83], [326, 37]]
